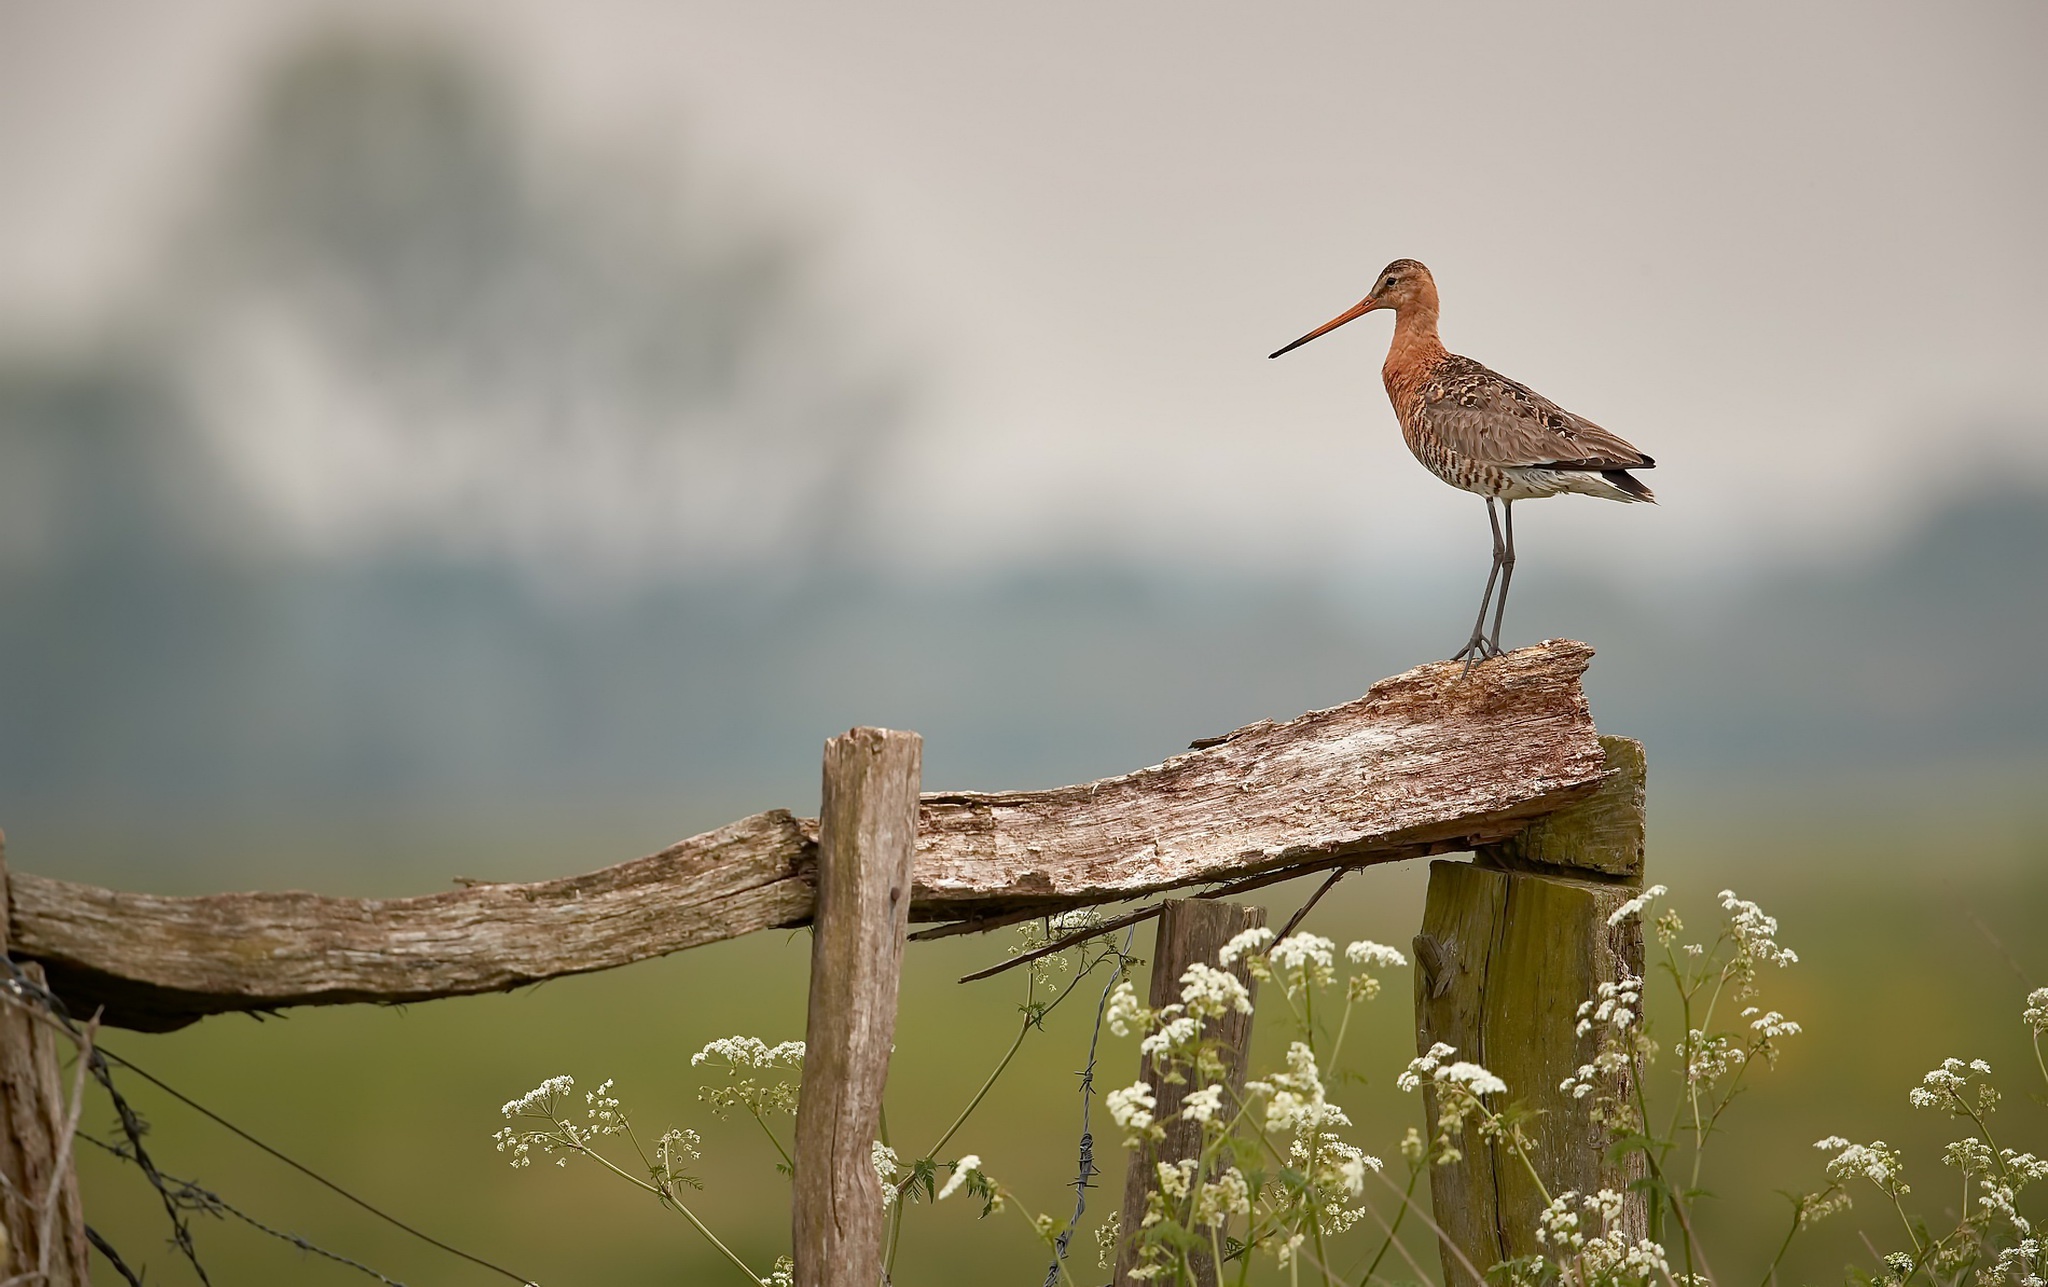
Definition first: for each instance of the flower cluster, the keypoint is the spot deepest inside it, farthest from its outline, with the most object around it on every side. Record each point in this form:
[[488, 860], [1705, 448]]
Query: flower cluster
[[1951, 1086], [1457, 1087], [1876, 1162], [1756, 943], [741, 1059], [1296, 1101], [540, 1119], [887, 1168], [1268, 1156], [1131, 1108], [1606, 1255]]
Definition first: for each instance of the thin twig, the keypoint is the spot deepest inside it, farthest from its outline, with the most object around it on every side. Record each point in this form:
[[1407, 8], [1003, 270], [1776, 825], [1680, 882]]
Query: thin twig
[[46, 1230], [983, 924], [1278, 876], [1301, 913], [1062, 944]]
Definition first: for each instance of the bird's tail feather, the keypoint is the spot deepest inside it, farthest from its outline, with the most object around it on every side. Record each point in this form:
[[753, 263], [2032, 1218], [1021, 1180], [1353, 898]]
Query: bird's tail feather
[[1628, 483]]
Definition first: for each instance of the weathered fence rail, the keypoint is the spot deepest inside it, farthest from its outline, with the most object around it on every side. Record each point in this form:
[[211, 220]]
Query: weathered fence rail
[[1420, 765], [1504, 763]]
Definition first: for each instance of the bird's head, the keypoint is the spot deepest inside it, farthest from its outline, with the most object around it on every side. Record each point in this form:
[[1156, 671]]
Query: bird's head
[[1402, 285]]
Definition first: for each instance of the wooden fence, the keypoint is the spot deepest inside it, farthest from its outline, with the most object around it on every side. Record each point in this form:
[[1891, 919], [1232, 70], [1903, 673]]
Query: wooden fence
[[1504, 764]]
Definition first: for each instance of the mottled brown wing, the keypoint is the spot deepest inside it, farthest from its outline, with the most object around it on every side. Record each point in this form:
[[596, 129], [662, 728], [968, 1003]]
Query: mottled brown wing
[[1486, 416]]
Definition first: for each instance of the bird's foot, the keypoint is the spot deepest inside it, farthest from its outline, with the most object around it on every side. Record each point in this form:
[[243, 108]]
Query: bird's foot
[[1478, 649]]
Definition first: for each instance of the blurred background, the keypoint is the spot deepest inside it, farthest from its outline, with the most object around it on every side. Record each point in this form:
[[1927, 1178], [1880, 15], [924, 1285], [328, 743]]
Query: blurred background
[[498, 439]]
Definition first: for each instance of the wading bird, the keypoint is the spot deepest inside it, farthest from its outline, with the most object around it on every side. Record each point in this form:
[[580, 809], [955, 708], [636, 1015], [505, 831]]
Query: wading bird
[[1482, 432]]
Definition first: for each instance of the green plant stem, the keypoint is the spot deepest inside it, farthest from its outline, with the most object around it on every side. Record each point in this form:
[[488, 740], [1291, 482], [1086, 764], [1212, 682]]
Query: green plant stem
[[1671, 1197], [787, 1160], [1343, 1026], [666, 1193], [1394, 1229], [1443, 1239], [1798, 1213], [1407, 1200], [1032, 1019], [1023, 1031]]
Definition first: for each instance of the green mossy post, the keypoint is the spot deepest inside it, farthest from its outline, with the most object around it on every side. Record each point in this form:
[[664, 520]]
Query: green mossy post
[[1511, 943]]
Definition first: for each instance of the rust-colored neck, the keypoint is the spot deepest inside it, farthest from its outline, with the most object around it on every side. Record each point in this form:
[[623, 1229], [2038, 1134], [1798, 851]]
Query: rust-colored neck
[[1416, 350]]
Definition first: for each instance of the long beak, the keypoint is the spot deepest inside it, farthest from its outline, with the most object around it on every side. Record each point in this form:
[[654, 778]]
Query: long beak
[[1360, 309]]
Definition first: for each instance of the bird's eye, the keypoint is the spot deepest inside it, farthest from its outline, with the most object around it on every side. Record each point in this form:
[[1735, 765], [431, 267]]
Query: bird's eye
[[1389, 285]]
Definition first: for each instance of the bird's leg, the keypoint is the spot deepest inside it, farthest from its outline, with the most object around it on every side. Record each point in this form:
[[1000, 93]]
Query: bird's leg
[[1507, 574], [1475, 648]]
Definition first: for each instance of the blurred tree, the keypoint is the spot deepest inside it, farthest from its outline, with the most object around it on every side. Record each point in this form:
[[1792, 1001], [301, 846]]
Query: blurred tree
[[408, 321]]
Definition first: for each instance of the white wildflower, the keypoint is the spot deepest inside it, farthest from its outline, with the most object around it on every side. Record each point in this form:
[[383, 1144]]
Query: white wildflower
[[1124, 1014], [1755, 933], [1244, 941], [1423, 1067], [1210, 993], [1876, 1162], [1174, 1178], [540, 1101], [1472, 1077], [1303, 961], [887, 1168], [1635, 906], [1615, 1005], [962, 1169], [1131, 1108], [1298, 951], [1774, 1025], [1202, 1105], [750, 1052], [1225, 1196], [1367, 952], [1177, 1033]]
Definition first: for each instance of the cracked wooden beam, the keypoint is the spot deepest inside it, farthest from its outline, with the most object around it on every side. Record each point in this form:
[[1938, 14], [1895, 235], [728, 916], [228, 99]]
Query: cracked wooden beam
[[1423, 763]]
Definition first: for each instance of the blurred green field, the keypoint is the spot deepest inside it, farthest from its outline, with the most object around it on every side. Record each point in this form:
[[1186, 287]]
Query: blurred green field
[[1916, 902]]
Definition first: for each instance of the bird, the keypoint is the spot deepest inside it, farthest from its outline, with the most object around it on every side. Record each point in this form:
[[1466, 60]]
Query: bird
[[1484, 433]]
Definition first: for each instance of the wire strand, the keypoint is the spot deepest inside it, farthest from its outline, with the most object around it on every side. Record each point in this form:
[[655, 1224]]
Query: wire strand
[[308, 1171]]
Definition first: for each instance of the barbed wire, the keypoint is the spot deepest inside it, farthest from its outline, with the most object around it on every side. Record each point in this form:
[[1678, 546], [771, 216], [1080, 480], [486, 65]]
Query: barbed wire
[[1088, 1170], [106, 1249], [196, 1197], [47, 1003], [179, 1196]]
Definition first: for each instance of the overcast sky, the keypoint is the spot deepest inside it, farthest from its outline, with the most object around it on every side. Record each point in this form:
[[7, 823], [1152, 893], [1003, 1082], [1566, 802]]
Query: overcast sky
[[1793, 251]]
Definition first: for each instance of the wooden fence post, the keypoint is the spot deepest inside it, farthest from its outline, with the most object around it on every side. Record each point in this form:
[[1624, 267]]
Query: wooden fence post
[[867, 834], [1509, 948], [31, 1134], [1190, 930]]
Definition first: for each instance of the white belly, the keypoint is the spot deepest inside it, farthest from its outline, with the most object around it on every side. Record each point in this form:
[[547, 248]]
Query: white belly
[[1534, 484]]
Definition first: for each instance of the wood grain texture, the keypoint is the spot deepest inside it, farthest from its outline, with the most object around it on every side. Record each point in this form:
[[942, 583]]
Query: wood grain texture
[[31, 1125], [867, 838], [1190, 930], [1505, 959], [1603, 834], [158, 963], [1423, 763]]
